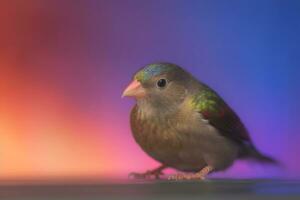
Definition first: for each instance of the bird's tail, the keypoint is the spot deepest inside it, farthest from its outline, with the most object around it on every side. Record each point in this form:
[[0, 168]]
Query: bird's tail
[[252, 153]]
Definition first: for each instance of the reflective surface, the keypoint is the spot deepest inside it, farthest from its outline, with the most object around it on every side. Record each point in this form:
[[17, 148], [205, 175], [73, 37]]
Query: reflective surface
[[209, 189]]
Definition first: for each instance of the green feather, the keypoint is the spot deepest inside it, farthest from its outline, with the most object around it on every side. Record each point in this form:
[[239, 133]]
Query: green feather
[[219, 114], [207, 102], [152, 70]]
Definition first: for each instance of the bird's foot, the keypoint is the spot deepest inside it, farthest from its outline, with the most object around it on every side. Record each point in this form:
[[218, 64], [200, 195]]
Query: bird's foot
[[196, 176], [177, 177], [146, 175], [150, 174]]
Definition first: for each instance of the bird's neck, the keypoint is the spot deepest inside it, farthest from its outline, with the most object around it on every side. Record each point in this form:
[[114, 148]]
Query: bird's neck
[[148, 109]]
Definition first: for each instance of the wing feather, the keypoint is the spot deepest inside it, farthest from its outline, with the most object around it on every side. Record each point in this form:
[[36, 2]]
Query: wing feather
[[220, 115]]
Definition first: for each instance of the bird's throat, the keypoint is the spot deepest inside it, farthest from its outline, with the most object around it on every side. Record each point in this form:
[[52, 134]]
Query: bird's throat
[[148, 109]]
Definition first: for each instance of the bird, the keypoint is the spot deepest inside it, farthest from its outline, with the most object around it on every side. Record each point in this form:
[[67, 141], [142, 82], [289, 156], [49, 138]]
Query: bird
[[184, 124]]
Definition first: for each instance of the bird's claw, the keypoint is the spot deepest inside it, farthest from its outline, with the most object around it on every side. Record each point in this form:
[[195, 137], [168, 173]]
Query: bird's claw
[[136, 175], [177, 177], [146, 175]]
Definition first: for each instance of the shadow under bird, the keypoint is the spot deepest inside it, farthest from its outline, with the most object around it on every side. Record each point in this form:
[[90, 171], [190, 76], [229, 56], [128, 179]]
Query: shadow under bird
[[183, 124]]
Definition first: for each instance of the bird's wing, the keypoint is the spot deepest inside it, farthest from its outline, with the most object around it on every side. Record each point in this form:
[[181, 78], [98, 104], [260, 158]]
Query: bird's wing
[[220, 115]]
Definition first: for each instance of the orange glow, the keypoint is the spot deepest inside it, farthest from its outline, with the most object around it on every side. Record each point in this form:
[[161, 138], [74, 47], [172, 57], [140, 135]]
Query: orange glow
[[41, 133]]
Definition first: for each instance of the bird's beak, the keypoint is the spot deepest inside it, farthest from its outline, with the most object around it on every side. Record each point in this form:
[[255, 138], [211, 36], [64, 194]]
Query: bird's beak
[[134, 89]]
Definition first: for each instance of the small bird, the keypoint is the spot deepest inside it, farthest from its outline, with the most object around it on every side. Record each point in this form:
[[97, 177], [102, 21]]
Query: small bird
[[184, 124]]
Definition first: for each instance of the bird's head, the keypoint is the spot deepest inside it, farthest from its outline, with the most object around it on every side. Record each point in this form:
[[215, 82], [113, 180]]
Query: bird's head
[[162, 84]]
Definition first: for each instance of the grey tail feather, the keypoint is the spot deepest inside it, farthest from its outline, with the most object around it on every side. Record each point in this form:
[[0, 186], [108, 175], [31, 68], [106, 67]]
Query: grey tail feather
[[252, 153], [263, 158]]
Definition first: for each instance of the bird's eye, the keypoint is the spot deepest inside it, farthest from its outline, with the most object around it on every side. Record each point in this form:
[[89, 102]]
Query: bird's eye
[[161, 83]]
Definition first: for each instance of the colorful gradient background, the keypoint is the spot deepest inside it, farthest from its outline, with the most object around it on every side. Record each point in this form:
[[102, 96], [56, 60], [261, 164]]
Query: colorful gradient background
[[64, 64]]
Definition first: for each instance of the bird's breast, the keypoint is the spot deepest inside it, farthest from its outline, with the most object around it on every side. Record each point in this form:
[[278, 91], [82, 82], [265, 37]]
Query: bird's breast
[[157, 136], [168, 139]]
